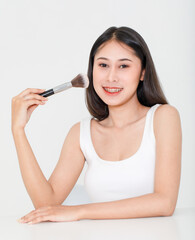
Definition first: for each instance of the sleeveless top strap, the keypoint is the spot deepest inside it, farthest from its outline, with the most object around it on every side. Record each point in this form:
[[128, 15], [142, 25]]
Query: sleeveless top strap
[[149, 136], [85, 136]]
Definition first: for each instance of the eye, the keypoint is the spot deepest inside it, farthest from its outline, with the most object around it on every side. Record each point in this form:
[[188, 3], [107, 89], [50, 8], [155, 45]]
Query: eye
[[103, 65], [123, 66]]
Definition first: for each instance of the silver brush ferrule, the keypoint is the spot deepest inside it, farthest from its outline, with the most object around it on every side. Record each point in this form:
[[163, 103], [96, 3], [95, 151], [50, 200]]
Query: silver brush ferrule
[[62, 87]]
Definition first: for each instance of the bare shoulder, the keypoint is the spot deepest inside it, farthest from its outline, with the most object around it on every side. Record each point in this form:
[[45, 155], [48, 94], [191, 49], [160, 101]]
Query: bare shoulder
[[167, 110], [71, 145], [75, 129], [166, 119], [74, 134]]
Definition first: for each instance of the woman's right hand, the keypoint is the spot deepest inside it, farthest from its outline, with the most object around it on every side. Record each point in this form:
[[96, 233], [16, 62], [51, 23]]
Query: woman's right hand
[[24, 104]]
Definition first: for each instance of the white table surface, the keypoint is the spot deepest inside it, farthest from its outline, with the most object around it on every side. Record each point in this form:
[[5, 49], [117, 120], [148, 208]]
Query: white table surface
[[179, 226]]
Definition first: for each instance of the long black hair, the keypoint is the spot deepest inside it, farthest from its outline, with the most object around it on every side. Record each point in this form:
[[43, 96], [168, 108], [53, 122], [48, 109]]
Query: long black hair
[[149, 91]]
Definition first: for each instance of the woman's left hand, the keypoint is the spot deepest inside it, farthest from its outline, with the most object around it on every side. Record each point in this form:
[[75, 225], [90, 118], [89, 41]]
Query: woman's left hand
[[59, 213]]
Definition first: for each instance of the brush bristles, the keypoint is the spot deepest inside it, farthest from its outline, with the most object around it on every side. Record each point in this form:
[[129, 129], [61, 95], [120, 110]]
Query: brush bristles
[[81, 80]]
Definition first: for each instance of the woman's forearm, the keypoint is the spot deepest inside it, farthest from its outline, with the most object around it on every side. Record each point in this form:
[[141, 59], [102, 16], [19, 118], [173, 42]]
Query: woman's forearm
[[37, 186], [149, 205]]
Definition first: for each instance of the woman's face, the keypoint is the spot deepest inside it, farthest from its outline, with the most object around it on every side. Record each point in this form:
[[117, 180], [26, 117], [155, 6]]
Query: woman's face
[[116, 73]]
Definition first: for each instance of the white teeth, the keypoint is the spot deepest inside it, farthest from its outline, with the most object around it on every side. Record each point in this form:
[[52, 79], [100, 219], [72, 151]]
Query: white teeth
[[113, 89]]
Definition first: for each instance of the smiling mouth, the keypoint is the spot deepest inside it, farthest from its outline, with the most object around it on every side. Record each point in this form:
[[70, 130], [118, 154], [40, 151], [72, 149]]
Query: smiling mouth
[[112, 90]]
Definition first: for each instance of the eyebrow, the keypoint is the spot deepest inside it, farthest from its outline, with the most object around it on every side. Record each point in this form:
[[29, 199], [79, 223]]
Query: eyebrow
[[122, 59]]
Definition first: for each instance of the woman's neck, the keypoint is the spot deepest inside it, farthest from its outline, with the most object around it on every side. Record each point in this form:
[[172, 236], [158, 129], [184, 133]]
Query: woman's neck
[[121, 116]]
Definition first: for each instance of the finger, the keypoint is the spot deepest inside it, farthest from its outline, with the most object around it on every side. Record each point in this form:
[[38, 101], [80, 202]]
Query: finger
[[35, 96], [32, 108], [32, 102], [42, 218], [27, 215], [31, 90], [33, 214]]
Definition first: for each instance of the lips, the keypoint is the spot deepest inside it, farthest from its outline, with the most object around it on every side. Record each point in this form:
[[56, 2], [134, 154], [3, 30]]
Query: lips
[[112, 90]]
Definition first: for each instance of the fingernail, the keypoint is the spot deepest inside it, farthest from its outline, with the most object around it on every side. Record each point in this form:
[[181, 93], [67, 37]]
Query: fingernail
[[30, 222]]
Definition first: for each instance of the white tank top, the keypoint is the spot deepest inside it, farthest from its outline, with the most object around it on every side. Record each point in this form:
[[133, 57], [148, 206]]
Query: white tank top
[[114, 180]]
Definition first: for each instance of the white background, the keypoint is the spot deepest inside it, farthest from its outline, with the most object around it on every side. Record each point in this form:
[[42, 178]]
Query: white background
[[44, 43]]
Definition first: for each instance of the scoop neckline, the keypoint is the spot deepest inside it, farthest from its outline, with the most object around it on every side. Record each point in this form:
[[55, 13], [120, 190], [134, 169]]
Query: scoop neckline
[[126, 159]]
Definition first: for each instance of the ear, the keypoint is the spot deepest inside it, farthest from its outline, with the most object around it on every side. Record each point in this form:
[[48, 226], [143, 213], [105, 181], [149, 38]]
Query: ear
[[142, 75]]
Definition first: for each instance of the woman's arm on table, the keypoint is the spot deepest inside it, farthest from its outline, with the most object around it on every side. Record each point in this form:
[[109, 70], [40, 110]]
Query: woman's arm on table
[[162, 202]]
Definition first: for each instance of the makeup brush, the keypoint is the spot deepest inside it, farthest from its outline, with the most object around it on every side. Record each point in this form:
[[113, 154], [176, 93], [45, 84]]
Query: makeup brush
[[81, 80]]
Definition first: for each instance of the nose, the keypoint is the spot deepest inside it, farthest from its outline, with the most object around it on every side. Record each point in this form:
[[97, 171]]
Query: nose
[[112, 75]]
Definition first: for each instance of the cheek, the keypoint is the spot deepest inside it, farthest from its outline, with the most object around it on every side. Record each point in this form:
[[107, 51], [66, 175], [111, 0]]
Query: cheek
[[97, 86], [97, 78], [97, 73], [133, 77]]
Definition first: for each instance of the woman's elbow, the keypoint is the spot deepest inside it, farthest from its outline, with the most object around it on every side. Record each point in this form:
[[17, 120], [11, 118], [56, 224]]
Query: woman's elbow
[[169, 209]]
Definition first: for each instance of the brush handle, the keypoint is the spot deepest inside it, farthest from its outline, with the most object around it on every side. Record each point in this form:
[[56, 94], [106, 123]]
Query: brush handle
[[57, 89], [62, 87], [47, 93]]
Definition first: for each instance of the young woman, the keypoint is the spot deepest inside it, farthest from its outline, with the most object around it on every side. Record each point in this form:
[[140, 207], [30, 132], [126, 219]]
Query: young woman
[[132, 142]]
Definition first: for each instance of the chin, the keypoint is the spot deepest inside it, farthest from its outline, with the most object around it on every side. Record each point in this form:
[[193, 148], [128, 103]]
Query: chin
[[114, 103], [117, 102]]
